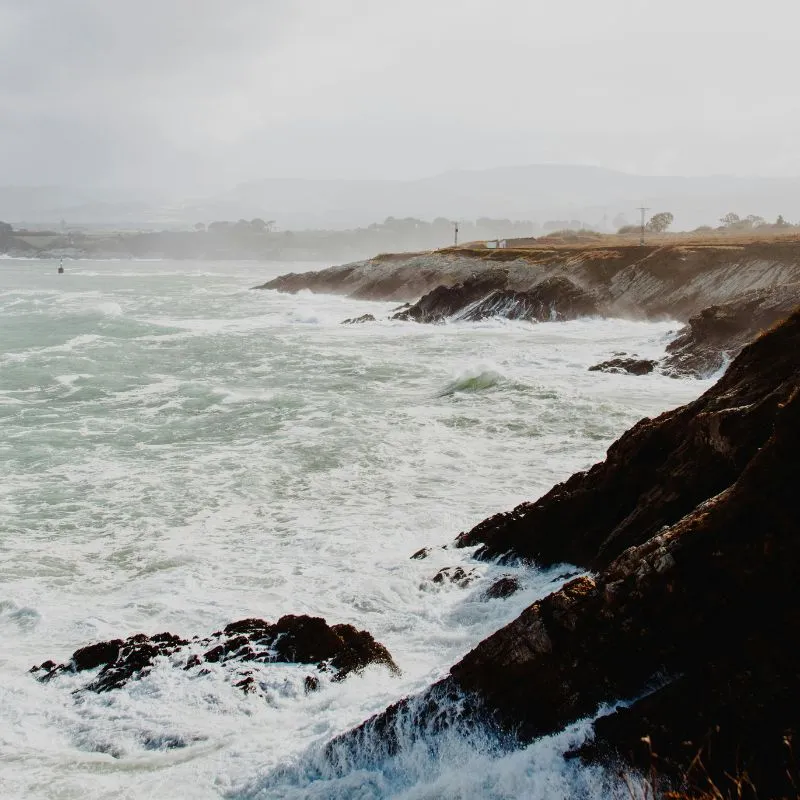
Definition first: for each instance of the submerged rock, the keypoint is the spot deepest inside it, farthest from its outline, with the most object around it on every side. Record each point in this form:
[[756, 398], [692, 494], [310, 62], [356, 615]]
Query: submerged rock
[[502, 587], [456, 575], [633, 366], [358, 320], [337, 649]]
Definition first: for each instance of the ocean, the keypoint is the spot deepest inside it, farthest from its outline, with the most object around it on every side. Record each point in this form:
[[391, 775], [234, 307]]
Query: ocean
[[178, 452]]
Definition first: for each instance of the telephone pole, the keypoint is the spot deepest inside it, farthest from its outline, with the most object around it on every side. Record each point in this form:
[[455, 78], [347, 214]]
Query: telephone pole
[[643, 209], [455, 234]]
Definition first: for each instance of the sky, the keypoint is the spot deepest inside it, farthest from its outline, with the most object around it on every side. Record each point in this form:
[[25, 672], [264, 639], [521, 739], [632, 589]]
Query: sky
[[203, 94]]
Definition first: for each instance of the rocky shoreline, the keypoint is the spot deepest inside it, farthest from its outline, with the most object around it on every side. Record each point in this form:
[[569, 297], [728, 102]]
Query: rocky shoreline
[[725, 294], [690, 613]]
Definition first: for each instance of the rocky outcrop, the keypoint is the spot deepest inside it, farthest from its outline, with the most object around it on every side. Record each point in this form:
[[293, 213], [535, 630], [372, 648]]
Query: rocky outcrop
[[338, 650], [652, 282], [502, 588], [455, 575], [359, 320], [693, 530], [632, 366], [712, 338], [726, 293], [447, 301], [655, 473], [702, 618], [486, 295]]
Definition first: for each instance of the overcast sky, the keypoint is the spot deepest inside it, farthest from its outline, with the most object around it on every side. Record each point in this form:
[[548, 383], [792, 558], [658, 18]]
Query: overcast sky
[[207, 93]]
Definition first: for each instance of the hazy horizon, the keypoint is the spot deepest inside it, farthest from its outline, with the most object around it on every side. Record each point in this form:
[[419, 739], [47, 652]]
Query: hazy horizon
[[197, 96]]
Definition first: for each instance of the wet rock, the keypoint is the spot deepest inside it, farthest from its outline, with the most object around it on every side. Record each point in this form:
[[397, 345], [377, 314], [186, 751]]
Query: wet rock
[[695, 624], [698, 621], [359, 320], [633, 366], [554, 299], [486, 295], [456, 575], [311, 684], [656, 473], [503, 587], [423, 552], [718, 333], [338, 649], [445, 301]]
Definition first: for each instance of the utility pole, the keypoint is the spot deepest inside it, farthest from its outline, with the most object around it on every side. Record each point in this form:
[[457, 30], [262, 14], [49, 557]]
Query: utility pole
[[455, 234], [641, 237]]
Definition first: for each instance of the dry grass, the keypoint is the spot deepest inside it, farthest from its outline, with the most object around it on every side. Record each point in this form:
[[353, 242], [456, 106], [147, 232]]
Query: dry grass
[[715, 239], [647, 787]]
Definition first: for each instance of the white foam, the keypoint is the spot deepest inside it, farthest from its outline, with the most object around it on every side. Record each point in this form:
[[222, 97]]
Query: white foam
[[208, 455]]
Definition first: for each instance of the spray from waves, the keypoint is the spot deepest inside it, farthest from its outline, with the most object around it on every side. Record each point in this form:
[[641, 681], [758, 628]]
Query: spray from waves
[[432, 746]]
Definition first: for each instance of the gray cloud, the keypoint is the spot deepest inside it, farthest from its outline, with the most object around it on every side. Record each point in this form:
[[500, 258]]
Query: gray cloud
[[205, 93]]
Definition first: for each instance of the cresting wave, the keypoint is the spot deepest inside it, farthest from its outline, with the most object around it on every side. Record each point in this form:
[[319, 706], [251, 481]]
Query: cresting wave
[[180, 452]]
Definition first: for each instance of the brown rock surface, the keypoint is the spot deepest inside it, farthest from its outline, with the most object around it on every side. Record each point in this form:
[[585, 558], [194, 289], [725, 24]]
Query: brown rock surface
[[339, 649], [657, 472], [693, 616]]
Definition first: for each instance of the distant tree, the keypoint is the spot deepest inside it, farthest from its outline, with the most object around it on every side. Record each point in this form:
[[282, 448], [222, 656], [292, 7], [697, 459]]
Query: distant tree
[[730, 220], [261, 226], [630, 229], [781, 222], [218, 226], [5, 229], [660, 222], [200, 227], [754, 221]]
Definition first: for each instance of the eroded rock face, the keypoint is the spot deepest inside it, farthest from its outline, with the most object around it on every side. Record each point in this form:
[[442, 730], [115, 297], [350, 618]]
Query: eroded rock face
[[633, 366], [446, 301], [657, 472], [704, 614], [337, 649], [487, 295], [717, 334], [694, 621]]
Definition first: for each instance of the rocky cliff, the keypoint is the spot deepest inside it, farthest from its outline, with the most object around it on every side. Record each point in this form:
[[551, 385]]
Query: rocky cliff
[[691, 613], [726, 293]]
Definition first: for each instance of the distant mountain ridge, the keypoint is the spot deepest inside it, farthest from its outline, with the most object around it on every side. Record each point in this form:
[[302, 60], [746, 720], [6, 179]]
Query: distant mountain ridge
[[542, 192]]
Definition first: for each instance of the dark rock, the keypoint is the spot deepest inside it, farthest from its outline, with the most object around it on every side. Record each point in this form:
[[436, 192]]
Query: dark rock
[[719, 332], [657, 472], [457, 575], [695, 624], [553, 299], [311, 684], [633, 366], [503, 587], [96, 654], [340, 649], [423, 552], [445, 301], [486, 295], [359, 320]]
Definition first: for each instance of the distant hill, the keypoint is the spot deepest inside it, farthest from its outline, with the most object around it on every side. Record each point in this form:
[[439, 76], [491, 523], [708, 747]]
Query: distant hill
[[544, 192]]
